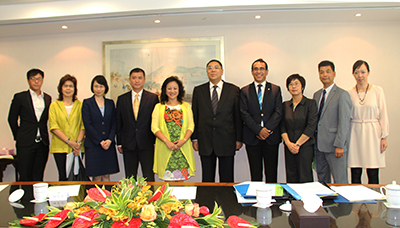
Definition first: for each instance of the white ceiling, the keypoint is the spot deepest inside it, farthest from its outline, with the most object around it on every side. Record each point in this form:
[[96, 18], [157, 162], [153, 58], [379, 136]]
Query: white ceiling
[[40, 17]]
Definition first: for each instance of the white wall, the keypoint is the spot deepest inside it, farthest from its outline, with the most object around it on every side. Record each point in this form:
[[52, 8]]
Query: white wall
[[288, 48]]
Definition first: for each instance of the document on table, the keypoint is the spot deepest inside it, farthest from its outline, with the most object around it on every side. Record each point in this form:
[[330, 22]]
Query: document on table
[[313, 187], [358, 193], [248, 188], [73, 190], [186, 192], [3, 186]]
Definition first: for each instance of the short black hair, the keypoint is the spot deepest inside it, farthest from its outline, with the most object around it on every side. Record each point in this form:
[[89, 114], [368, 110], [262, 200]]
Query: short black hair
[[136, 70], [259, 60], [298, 77], [359, 63], [326, 63], [215, 60], [101, 80], [164, 97], [34, 72]]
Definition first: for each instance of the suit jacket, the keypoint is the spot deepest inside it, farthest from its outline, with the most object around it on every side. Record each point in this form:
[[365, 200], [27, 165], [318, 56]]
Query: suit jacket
[[302, 121], [25, 132], [131, 132], [334, 123], [97, 126], [271, 113], [218, 132]]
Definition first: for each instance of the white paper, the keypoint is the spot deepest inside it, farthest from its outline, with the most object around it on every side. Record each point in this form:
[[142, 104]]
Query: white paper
[[3, 186], [311, 202], [358, 193], [182, 193], [241, 199], [72, 190], [312, 187]]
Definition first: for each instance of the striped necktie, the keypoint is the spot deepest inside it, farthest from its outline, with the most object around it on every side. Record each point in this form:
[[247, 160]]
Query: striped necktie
[[321, 105], [214, 99], [259, 95]]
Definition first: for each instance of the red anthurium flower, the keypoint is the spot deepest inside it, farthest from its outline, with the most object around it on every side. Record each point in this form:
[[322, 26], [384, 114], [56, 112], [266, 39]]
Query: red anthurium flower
[[134, 223], [98, 194], [204, 210], [180, 220], [32, 220], [157, 194], [236, 222], [57, 219], [86, 219]]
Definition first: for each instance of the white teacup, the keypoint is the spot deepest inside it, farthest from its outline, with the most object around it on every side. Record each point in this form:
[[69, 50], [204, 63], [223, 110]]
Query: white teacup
[[264, 216], [264, 195], [40, 191], [392, 193], [392, 216]]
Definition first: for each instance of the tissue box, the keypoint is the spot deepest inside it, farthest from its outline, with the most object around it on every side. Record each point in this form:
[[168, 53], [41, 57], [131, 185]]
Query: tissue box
[[303, 219], [5, 151]]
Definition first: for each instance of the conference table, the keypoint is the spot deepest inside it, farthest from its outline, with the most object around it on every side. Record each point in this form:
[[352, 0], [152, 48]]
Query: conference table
[[341, 215]]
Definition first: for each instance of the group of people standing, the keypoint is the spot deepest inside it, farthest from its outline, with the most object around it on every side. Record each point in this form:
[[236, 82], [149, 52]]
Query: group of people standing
[[338, 128]]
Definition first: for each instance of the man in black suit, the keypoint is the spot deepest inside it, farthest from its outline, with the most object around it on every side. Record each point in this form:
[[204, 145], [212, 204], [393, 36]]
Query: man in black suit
[[261, 109], [218, 126], [30, 133], [134, 137]]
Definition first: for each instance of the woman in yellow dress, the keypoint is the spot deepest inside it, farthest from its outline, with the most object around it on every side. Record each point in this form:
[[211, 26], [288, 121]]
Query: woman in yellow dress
[[66, 126], [172, 124]]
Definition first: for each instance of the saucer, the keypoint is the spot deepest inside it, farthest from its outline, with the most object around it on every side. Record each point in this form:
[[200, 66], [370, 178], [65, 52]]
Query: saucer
[[17, 205], [286, 207], [16, 195], [38, 201], [256, 205], [390, 206]]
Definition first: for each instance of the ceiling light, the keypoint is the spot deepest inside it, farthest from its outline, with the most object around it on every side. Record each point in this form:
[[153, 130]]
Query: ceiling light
[[157, 21], [64, 27], [257, 17], [358, 15]]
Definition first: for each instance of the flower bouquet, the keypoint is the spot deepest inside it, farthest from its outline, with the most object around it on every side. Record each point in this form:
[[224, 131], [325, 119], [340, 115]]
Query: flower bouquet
[[130, 203]]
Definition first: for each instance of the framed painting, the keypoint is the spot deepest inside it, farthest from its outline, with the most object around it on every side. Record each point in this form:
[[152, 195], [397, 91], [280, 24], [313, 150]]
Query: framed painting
[[185, 58]]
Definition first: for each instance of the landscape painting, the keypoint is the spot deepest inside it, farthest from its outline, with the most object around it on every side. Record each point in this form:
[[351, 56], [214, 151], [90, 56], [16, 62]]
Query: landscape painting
[[185, 58]]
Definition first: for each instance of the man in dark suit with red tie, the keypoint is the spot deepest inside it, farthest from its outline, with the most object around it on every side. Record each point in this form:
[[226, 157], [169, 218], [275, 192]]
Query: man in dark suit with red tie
[[261, 109], [218, 125], [134, 137], [30, 132]]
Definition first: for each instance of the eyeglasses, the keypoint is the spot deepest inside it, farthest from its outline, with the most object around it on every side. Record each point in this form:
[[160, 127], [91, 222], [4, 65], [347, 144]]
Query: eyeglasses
[[36, 79], [294, 84], [213, 67], [258, 69], [68, 86]]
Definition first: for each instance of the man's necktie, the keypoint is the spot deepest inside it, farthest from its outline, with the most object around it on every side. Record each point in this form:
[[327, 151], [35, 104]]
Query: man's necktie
[[321, 105], [136, 106], [259, 95], [214, 99]]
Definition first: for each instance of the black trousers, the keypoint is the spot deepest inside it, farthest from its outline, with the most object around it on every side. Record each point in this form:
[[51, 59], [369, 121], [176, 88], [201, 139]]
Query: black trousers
[[225, 166], [267, 154], [32, 161], [61, 162], [299, 166], [373, 175], [132, 159]]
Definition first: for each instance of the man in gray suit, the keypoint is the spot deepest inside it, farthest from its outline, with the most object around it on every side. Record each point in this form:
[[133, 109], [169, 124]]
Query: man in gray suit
[[334, 107]]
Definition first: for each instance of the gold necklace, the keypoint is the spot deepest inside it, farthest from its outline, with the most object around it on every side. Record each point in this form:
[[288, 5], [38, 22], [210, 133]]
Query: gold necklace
[[362, 101]]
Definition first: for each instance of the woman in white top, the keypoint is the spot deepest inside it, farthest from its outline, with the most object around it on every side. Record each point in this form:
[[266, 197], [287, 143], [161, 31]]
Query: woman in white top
[[369, 126]]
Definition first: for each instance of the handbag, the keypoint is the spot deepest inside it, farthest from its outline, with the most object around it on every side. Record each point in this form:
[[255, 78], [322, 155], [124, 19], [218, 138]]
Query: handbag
[[81, 176]]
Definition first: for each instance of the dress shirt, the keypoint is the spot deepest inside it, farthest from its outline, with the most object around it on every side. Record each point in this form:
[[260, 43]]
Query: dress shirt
[[38, 106], [328, 90], [219, 88], [139, 96]]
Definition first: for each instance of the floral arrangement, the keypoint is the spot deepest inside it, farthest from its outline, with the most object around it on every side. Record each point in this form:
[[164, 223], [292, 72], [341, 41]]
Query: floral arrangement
[[130, 203]]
